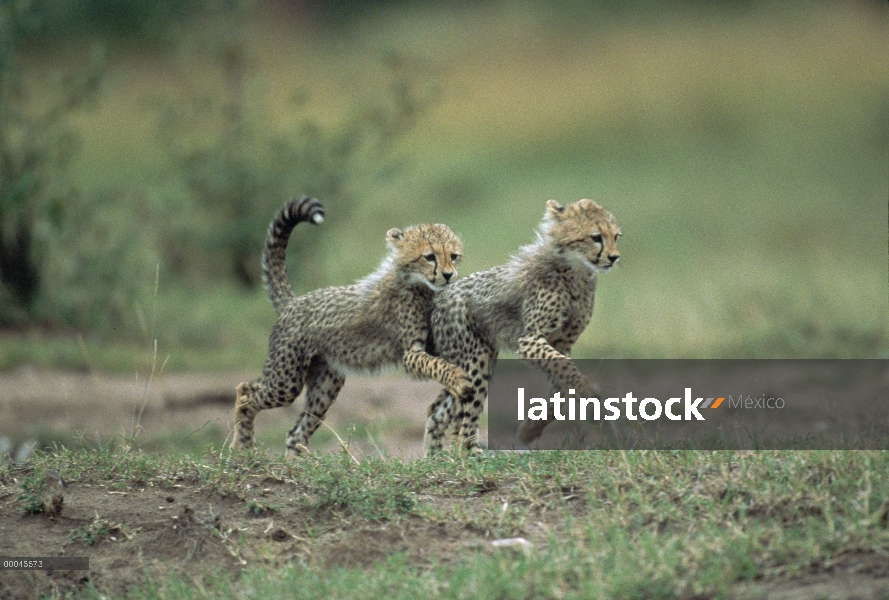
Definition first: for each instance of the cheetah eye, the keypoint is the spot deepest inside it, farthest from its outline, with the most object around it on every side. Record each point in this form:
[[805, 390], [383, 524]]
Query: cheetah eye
[[429, 257], [596, 238], [455, 256]]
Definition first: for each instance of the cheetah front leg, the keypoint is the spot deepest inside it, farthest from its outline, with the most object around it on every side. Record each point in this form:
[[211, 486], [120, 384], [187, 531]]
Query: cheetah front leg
[[562, 373], [466, 419], [439, 417], [545, 315], [458, 385], [451, 411], [466, 413], [454, 379]]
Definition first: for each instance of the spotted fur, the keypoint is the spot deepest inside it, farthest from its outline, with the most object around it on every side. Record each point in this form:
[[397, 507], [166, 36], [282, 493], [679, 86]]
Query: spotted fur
[[536, 305], [378, 321]]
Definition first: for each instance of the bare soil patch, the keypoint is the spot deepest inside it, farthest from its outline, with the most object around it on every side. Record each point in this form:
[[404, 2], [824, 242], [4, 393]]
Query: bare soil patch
[[133, 530], [196, 531], [42, 406]]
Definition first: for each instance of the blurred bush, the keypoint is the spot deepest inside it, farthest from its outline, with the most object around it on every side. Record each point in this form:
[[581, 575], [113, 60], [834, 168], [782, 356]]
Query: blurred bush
[[123, 19], [77, 258], [239, 165], [36, 148], [100, 263]]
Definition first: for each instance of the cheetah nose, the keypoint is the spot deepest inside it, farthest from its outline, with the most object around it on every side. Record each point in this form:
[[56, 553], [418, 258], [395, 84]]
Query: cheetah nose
[[447, 276], [613, 258]]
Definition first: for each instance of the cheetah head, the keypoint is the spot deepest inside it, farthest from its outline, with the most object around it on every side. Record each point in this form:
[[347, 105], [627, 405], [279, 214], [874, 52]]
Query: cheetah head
[[584, 230], [426, 254]]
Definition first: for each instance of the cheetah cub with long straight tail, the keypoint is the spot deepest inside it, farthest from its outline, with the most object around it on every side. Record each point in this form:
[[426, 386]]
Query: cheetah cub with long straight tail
[[536, 305], [378, 321]]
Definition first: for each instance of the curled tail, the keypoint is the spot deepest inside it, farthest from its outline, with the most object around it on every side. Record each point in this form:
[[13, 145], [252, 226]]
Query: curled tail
[[274, 269]]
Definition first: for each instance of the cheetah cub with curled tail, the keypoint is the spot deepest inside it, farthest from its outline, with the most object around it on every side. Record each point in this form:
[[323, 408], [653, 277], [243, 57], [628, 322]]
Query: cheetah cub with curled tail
[[537, 305], [378, 321]]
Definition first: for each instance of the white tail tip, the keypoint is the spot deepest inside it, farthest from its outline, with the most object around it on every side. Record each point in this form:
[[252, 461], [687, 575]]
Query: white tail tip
[[317, 219]]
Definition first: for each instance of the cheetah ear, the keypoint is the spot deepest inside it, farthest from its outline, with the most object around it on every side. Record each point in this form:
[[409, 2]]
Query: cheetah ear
[[554, 209], [394, 235]]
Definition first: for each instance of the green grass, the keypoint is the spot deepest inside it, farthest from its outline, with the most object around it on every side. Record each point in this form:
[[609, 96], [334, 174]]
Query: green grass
[[603, 524]]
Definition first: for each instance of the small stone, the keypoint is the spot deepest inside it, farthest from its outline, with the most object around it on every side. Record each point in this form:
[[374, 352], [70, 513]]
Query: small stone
[[516, 542]]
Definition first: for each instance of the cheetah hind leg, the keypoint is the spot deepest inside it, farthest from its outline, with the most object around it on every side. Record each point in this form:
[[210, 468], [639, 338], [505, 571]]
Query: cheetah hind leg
[[323, 385], [245, 414]]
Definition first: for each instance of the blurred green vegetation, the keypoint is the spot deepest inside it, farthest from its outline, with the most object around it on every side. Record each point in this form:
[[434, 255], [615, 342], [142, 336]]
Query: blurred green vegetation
[[743, 147]]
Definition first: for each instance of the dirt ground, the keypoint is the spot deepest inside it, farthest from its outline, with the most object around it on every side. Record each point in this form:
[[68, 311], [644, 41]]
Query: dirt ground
[[159, 526], [201, 530], [45, 406]]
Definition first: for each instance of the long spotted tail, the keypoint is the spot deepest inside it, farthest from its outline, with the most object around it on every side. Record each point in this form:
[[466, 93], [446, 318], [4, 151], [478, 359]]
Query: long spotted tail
[[274, 269]]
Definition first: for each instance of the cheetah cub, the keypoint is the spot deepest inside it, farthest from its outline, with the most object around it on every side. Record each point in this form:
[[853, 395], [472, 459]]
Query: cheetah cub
[[535, 305], [380, 320]]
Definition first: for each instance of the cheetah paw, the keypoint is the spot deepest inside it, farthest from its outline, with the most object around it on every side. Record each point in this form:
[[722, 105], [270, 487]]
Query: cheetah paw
[[463, 387], [297, 451], [591, 389]]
